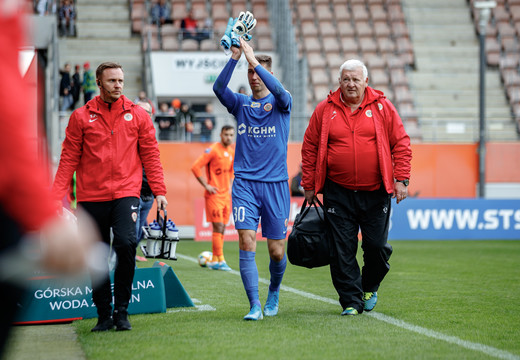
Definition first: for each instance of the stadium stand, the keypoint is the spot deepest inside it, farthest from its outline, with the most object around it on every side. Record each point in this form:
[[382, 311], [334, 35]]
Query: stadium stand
[[377, 31], [503, 47]]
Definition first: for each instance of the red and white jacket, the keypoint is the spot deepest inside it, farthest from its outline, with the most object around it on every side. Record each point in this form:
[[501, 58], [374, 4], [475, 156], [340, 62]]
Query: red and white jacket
[[107, 145], [393, 143]]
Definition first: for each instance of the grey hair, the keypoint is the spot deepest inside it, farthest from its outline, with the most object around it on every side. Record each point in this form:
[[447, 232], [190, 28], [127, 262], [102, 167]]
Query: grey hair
[[353, 64]]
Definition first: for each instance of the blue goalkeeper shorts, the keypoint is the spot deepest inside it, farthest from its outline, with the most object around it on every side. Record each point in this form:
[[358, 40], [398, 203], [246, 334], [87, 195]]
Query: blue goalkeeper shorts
[[269, 201]]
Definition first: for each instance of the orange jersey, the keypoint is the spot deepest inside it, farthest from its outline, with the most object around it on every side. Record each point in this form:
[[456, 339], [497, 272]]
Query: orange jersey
[[218, 161]]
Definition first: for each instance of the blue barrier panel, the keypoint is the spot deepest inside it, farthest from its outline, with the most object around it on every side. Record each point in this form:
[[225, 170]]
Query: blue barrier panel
[[455, 219]]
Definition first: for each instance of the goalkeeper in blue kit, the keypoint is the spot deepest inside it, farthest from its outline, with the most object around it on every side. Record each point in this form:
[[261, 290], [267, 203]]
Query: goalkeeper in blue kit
[[260, 188]]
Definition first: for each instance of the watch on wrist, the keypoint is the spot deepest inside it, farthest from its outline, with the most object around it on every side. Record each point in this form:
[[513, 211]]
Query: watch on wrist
[[405, 182]]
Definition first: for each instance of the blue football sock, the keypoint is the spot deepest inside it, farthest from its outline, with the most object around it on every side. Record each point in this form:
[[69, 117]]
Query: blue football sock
[[249, 274], [277, 269]]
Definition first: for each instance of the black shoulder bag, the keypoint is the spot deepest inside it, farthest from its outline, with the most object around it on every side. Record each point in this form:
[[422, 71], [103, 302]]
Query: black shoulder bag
[[308, 244]]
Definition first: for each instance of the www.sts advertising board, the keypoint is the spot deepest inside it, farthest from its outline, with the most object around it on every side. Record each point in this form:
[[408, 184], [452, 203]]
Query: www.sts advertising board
[[454, 219], [420, 219]]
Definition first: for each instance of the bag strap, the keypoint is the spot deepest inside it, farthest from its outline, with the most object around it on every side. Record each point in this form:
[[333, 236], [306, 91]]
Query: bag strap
[[305, 209]]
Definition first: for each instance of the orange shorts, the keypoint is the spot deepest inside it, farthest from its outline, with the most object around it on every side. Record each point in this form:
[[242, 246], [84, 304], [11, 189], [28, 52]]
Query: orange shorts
[[218, 208]]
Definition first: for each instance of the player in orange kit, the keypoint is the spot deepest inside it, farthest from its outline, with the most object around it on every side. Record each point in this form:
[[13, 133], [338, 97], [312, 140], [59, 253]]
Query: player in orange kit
[[218, 160]]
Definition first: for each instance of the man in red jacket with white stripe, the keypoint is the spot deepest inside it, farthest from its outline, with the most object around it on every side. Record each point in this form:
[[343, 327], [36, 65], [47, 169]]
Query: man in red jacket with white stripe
[[356, 152], [107, 143]]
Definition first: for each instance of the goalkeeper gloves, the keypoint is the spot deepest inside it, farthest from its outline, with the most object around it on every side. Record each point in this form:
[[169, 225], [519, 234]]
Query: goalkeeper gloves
[[237, 28], [225, 41], [244, 24]]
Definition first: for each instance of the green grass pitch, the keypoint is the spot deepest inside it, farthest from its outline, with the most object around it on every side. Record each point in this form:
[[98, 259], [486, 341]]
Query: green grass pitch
[[440, 300]]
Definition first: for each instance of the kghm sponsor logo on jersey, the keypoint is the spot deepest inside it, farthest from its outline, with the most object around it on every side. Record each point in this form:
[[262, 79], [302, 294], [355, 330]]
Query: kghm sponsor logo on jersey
[[257, 131]]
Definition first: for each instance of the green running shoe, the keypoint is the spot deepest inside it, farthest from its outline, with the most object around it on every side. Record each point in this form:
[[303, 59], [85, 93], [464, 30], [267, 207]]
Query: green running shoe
[[370, 299], [349, 311]]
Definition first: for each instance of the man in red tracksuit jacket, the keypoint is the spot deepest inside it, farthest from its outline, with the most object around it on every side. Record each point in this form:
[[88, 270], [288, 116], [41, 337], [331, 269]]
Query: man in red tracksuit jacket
[[107, 143], [356, 152]]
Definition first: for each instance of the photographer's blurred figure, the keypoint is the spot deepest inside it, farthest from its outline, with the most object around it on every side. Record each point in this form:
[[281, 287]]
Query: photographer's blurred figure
[[26, 204]]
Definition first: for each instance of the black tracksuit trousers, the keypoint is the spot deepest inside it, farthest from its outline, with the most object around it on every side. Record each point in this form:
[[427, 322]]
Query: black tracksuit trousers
[[349, 211], [121, 216]]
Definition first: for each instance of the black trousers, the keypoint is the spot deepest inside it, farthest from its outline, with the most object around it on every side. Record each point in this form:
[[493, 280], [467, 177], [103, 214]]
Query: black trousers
[[121, 216], [349, 211]]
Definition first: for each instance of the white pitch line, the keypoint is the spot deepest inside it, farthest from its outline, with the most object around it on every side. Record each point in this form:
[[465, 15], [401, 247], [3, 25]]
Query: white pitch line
[[488, 350]]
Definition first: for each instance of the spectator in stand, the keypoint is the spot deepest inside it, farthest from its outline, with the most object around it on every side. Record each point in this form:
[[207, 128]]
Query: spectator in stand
[[46, 7], [190, 29], [208, 123], [66, 88], [242, 90], [161, 13], [76, 86], [185, 118], [296, 187], [142, 97], [165, 119], [67, 15], [176, 106], [89, 82], [207, 30]]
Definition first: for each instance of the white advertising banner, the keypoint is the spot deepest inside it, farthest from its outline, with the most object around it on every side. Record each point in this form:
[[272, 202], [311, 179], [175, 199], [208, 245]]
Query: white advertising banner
[[186, 74]]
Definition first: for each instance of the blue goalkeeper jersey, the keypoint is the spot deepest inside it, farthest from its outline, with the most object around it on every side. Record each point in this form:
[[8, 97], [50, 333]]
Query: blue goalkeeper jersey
[[262, 127]]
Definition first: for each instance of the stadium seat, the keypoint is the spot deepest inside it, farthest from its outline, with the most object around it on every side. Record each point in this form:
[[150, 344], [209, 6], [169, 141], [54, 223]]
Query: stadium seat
[[320, 76], [364, 29], [138, 11], [265, 44], [305, 12], [368, 46], [345, 28], [378, 14], [209, 45], [170, 43], [321, 92], [360, 13], [311, 44], [398, 78], [154, 44], [378, 77], [315, 60], [323, 13], [335, 60], [327, 29], [309, 28], [382, 30], [385, 46], [403, 95], [349, 44], [377, 62], [179, 11], [189, 45], [237, 6], [331, 45], [341, 12]]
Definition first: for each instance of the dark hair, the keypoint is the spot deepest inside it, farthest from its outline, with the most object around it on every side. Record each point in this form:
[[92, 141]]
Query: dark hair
[[265, 60], [226, 128], [106, 65]]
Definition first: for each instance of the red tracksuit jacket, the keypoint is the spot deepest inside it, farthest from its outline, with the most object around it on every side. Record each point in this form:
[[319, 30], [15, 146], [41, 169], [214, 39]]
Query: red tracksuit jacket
[[107, 145], [393, 143]]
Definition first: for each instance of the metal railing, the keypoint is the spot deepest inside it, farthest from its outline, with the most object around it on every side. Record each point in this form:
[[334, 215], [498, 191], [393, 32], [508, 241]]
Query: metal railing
[[294, 70]]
